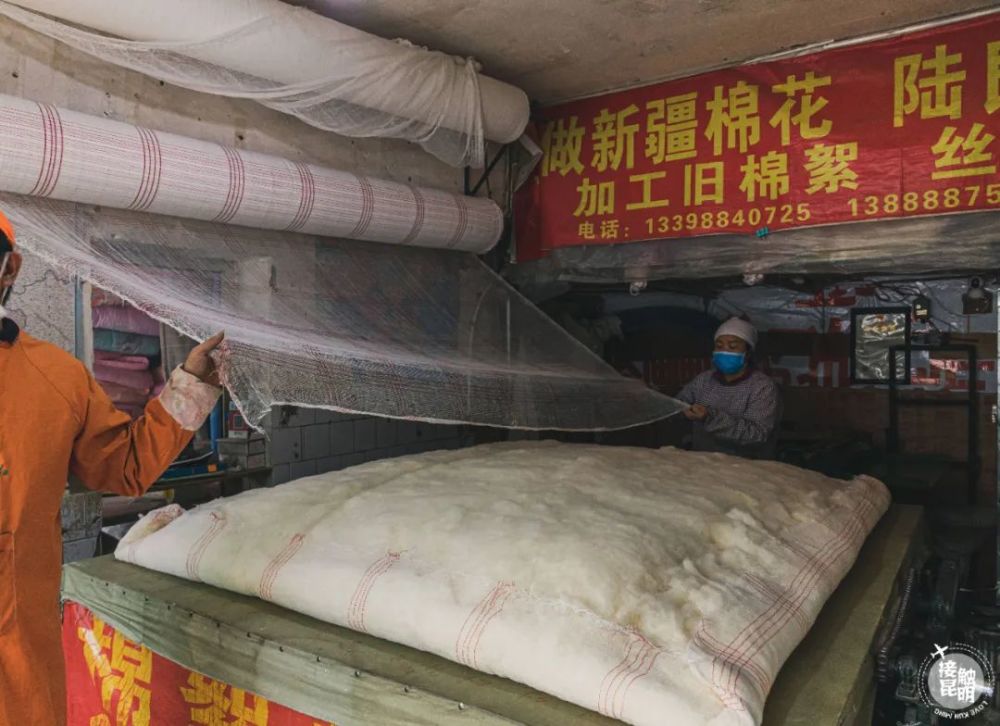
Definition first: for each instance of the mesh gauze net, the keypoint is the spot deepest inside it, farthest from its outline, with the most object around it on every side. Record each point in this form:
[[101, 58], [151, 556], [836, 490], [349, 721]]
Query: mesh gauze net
[[329, 75], [344, 325]]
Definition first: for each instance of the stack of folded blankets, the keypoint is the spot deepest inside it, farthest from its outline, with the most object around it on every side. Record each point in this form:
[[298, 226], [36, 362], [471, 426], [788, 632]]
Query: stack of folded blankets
[[127, 353]]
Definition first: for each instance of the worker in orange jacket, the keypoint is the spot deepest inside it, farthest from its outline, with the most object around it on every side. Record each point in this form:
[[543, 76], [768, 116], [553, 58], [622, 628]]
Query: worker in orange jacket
[[55, 420]]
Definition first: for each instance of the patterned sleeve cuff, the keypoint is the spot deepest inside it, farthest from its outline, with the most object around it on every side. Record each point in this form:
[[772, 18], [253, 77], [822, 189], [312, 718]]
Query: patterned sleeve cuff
[[188, 400]]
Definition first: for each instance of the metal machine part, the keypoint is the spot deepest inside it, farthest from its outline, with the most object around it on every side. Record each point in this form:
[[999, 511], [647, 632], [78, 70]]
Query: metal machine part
[[882, 659], [936, 606], [80, 515]]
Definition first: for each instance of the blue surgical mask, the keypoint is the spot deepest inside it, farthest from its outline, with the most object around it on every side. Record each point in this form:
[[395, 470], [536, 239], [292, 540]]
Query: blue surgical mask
[[728, 363]]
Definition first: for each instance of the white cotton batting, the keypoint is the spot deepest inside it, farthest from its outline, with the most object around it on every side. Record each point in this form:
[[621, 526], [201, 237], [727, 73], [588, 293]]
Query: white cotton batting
[[654, 586]]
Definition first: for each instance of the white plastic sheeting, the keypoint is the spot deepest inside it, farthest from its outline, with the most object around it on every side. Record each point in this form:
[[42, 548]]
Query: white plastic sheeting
[[59, 154], [668, 595], [824, 311], [330, 75], [956, 242], [349, 326]]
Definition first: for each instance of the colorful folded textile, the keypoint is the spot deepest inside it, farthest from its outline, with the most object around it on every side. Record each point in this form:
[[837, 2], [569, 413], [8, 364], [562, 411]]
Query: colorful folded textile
[[117, 360], [114, 341], [126, 320], [138, 380]]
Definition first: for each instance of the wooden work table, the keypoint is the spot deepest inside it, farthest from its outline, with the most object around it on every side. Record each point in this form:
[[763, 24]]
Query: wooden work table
[[348, 677]]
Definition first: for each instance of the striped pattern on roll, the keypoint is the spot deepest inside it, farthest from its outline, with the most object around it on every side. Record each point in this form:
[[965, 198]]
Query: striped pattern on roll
[[50, 152]]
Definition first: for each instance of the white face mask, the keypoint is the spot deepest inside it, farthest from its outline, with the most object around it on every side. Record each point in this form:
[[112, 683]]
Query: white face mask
[[3, 290]]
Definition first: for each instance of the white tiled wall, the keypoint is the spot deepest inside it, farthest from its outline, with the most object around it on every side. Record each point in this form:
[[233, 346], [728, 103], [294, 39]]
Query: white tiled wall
[[313, 442]]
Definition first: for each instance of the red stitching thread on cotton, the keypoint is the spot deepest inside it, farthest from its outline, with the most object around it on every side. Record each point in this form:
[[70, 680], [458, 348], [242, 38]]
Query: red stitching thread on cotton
[[367, 207], [467, 643], [237, 185], [265, 588], [391, 560], [726, 660], [159, 169], [462, 224], [45, 148], [778, 613], [498, 604], [647, 655], [202, 544], [152, 165], [229, 191], [60, 150], [485, 607], [801, 577], [355, 619], [418, 219], [800, 549], [353, 608], [52, 151], [773, 592], [710, 644], [307, 197], [637, 662], [783, 611], [655, 653], [613, 674], [777, 617], [145, 168], [50, 162], [357, 610]]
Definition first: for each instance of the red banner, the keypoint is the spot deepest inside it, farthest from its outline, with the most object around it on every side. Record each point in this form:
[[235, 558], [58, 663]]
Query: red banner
[[112, 681], [899, 127]]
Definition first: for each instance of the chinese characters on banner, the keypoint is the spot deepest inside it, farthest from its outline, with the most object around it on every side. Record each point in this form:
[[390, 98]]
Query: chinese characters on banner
[[112, 681], [900, 127]]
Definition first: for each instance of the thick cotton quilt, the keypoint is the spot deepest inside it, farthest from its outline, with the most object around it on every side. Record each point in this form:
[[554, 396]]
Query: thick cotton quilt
[[654, 586]]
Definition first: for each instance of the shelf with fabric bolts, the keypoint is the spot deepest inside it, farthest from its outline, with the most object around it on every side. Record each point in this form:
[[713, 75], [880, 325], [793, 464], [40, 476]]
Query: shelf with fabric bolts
[[130, 355]]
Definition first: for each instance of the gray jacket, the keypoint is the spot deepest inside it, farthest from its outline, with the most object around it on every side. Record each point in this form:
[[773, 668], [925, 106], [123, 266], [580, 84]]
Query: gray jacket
[[743, 415]]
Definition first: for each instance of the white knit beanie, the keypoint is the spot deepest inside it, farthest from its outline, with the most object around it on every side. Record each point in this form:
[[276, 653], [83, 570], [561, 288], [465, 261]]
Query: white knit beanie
[[740, 329]]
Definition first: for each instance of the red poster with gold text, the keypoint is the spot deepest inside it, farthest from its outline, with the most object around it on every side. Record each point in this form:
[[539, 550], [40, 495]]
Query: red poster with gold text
[[112, 681], [904, 126]]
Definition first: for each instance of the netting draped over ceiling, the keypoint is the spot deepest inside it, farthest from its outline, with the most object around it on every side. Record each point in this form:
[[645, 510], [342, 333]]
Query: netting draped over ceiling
[[329, 75], [51, 152], [353, 326]]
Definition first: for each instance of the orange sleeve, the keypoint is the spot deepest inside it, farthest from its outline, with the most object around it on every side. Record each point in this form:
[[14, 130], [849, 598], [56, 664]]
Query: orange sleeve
[[114, 453]]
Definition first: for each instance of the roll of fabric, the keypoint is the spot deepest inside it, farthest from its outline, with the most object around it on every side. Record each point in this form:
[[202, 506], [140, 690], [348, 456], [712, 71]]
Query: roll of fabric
[[138, 380], [58, 154], [114, 341], [330, 75], [125, 320]]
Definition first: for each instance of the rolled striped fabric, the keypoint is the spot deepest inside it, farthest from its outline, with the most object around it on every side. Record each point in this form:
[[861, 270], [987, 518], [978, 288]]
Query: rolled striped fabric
[[50, 152]]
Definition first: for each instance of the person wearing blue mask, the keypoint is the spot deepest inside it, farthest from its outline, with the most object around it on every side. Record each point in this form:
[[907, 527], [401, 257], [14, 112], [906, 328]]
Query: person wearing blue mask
[[735, 408]]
